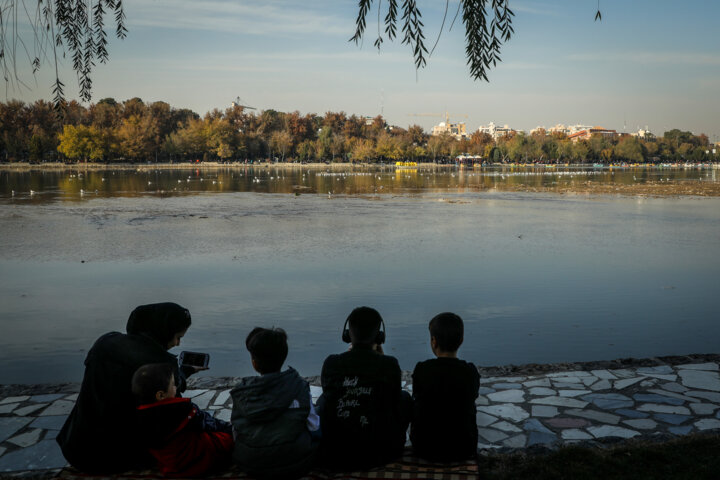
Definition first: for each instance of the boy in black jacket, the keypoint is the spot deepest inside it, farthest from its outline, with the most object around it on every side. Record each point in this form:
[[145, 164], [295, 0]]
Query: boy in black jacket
[[364, 411], [444, 425]]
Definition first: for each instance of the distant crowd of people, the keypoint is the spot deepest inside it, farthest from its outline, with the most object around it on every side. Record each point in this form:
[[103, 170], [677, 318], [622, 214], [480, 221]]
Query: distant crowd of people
[[130, 413]]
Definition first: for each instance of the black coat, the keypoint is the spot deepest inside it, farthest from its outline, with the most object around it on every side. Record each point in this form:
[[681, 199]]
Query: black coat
[[363, 419], [99, 435], [444, 424]]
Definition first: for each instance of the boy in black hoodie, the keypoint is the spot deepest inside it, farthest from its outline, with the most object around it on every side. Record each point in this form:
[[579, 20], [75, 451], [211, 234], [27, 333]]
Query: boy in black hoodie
[[364, 411], [274, 420], [184, 440]]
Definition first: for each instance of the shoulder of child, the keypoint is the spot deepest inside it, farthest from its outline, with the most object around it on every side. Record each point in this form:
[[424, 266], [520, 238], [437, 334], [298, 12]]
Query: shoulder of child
[[422, 364], [391, 359]]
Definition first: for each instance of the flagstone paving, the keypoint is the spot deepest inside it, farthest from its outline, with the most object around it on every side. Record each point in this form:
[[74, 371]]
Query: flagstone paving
[[513, 412]]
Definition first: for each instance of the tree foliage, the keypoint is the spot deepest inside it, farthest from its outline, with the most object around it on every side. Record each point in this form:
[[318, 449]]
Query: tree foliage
[[111, 131], [57, 27], [488, 24], [78, 28]]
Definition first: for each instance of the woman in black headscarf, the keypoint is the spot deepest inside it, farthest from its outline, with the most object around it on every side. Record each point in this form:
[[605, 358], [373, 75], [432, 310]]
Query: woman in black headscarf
[[99, 436]]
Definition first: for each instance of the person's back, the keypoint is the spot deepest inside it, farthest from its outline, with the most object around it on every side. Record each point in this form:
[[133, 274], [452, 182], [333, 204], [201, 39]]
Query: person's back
[[98, 435], [184, 440], [444, 424], [273, 417], [364, 416]]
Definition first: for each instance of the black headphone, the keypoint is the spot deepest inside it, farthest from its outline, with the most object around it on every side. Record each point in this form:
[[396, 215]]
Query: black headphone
[[379, 336]]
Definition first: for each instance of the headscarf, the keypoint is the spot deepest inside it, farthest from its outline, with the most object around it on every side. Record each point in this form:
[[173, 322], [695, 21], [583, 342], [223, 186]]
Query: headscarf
[[159, 321]]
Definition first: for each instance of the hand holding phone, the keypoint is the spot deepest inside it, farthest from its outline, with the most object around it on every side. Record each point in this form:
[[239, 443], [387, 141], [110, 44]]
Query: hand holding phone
[[194, 359]]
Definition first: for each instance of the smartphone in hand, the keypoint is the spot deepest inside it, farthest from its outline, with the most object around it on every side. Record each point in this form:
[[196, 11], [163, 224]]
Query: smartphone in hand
[[194, 359]]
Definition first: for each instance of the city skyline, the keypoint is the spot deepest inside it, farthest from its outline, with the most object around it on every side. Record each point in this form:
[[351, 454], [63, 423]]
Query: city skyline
[[649, 63]]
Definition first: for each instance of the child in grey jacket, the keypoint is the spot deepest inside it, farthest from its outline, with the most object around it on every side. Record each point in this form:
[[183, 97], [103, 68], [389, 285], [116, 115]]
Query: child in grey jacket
[[275, 425]]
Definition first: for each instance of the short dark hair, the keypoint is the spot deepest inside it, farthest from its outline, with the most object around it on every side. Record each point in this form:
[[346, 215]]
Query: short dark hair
[[448, 330], [150, 379], [268, 347], [364, 325]]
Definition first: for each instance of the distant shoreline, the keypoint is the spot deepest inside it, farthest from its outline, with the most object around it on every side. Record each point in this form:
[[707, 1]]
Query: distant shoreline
[[652, 188], [315, 165], [188, 165]]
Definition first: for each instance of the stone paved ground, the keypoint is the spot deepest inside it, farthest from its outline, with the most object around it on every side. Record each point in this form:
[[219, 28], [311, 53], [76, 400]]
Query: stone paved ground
[[513, 412]]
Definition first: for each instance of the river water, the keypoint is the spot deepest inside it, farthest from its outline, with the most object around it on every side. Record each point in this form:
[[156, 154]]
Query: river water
[[536, 277]]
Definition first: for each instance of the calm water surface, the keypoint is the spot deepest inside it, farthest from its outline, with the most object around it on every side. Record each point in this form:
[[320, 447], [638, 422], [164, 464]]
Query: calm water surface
[[537, 277]]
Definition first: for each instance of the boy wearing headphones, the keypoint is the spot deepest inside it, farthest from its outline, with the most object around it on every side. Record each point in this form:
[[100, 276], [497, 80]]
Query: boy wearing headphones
[[364, 412]]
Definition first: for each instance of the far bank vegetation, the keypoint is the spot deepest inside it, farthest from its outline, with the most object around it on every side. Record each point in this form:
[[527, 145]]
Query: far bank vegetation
[[134, 131]]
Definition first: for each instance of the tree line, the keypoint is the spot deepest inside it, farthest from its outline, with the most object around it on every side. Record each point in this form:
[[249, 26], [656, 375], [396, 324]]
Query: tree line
[[135, 131]]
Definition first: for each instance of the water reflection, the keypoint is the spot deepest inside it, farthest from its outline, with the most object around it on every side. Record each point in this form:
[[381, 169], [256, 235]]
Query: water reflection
[[76, 185], [537, 277]]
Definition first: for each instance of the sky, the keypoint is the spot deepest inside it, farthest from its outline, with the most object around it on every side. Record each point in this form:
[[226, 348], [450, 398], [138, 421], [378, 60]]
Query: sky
[[648, 63]]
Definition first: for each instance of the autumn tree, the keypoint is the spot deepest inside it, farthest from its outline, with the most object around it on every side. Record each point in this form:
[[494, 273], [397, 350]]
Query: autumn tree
[[417, 135], [337, 146], [188, 141], [596, 144], [386, 147], [335, 121], [13, 132], [479, 141], [580, 151], [104, 114], [305, 150], [436, 145], [629, 149], [270, 121], [135, 136], [353, 127], [323, 143], [80, 142], [41, 124], [220, 137], [550, 149], [522, 148], [363, 151], [280, 143]]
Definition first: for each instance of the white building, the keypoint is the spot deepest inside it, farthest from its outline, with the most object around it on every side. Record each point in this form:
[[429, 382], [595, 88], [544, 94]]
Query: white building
[[457, 130], [563, 129], [645, 134], [496, 131]]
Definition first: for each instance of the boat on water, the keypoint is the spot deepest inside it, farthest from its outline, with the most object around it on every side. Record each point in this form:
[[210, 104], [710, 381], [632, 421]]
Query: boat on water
[[406, 164]]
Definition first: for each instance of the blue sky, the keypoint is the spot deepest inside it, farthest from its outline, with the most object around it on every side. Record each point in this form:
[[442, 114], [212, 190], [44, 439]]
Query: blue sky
[[649, 62]]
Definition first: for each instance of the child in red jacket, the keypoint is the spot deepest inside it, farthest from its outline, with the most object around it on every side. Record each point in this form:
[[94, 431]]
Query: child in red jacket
[[184, 440]]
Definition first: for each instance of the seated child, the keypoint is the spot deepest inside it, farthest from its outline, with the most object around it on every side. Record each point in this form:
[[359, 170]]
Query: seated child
[[444, 424], [364, 412], [274, 421], [184, 440]]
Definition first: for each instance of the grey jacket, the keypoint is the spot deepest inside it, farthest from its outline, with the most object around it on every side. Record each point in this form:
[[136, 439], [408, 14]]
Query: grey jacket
[[271, 438]]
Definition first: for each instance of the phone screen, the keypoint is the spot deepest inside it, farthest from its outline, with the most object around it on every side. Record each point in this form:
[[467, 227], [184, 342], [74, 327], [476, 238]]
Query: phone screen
[[195, 359]]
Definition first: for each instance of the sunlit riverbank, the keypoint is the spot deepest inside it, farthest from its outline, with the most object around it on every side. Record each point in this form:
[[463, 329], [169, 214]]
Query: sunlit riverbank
[[75, 182]]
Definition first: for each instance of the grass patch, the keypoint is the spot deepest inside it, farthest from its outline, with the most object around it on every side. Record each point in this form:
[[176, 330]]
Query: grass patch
[[692, 457]]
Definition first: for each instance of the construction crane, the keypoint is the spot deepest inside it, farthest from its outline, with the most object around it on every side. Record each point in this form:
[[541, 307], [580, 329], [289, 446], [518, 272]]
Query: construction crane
[[446, 115], [239, 103]]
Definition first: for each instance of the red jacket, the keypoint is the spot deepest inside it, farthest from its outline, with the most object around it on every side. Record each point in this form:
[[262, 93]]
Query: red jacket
[[184, 440]]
